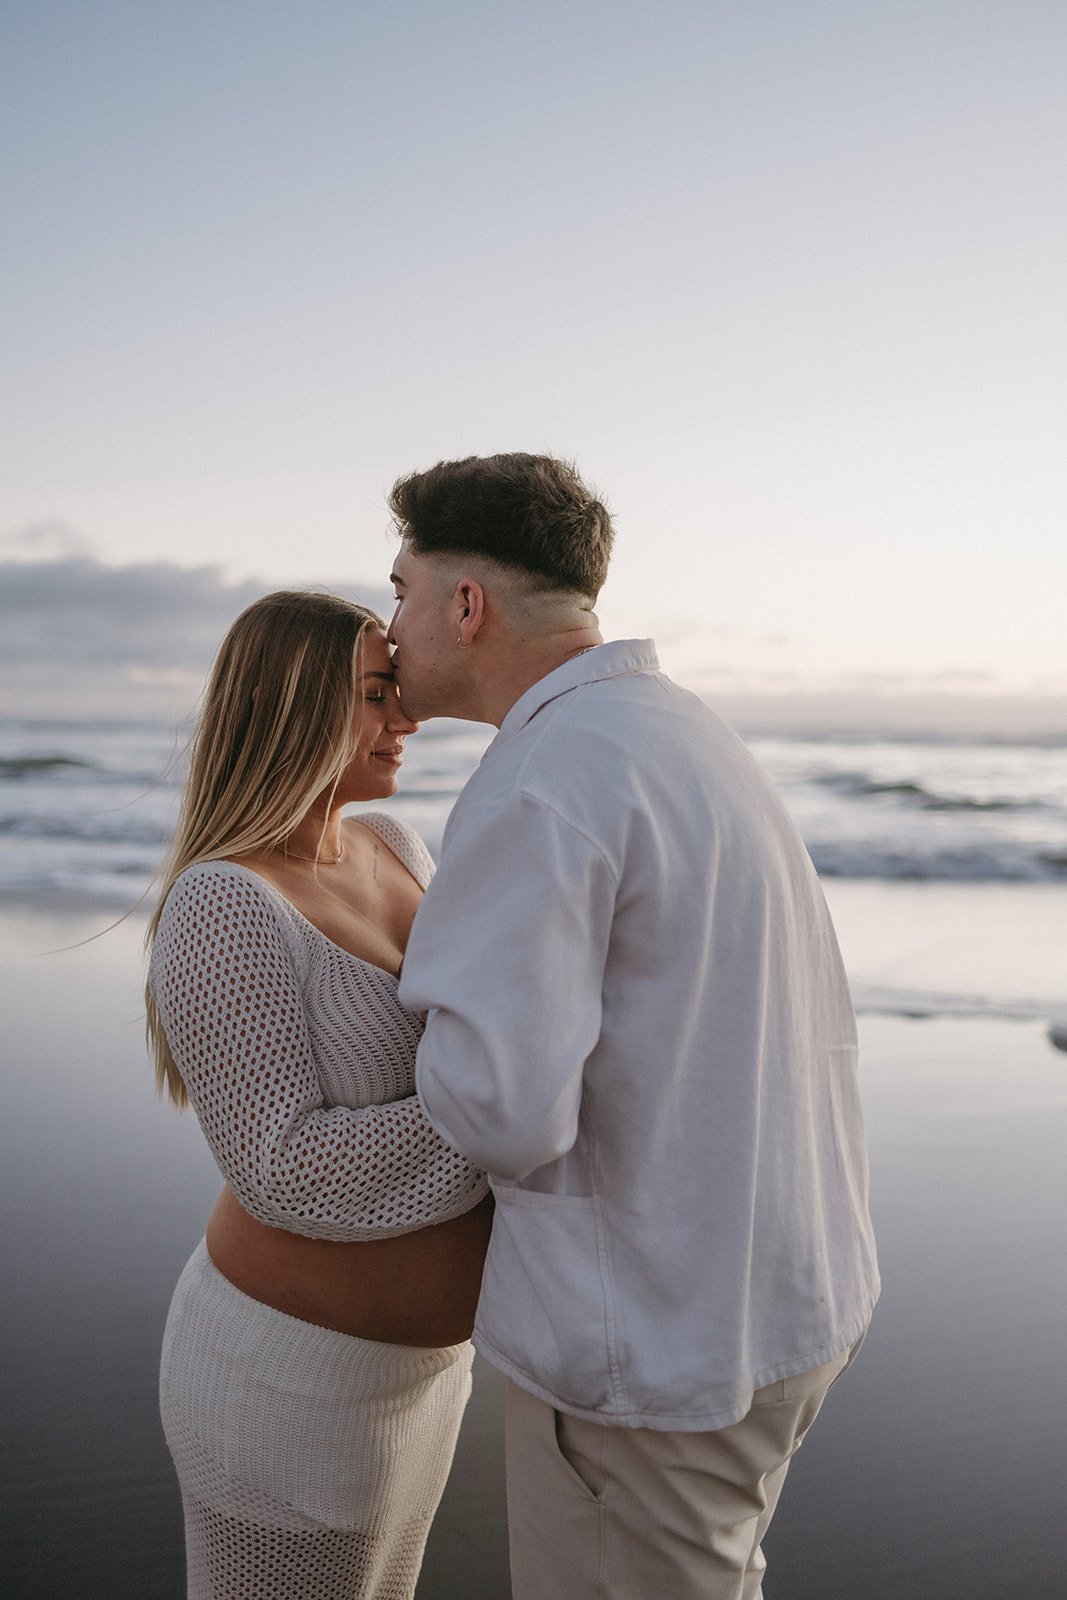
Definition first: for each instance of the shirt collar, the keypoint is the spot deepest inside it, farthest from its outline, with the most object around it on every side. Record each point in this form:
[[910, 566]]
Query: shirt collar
[[614, 660]]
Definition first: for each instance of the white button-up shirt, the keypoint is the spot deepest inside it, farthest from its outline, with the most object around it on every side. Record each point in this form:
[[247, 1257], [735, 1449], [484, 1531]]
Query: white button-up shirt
[[639, 1025]]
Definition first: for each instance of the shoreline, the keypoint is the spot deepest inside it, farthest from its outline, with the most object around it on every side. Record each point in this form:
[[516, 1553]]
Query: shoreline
[[56, 901], [918, 950]]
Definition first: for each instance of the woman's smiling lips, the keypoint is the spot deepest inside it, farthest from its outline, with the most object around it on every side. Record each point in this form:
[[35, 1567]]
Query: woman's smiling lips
[[393, 756]]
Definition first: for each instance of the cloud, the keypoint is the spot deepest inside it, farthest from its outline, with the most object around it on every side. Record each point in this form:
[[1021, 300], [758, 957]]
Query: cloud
[[45, 541], [78, 610], [78, 636]]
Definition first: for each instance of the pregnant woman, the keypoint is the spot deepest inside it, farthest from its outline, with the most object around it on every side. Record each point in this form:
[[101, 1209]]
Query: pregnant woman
[[316, 1361]]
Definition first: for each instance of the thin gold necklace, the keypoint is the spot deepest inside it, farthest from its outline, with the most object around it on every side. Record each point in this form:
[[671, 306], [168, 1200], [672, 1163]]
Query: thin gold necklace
[[319, 861]]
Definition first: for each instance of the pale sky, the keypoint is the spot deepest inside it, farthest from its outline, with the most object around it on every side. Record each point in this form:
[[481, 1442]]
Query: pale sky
[[785, 279]]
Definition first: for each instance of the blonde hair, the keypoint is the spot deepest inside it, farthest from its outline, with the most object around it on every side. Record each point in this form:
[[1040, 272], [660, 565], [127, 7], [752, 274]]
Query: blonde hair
[[275, 732]]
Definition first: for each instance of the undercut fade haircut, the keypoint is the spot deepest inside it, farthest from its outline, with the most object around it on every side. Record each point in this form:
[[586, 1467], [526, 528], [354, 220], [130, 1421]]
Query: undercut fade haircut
[[530, 513]]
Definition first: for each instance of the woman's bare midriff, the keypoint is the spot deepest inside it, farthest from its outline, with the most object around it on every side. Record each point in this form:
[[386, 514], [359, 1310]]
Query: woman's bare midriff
[[419, 1288]]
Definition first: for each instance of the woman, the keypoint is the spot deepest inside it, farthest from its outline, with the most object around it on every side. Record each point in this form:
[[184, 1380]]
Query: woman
[[316, 1360]]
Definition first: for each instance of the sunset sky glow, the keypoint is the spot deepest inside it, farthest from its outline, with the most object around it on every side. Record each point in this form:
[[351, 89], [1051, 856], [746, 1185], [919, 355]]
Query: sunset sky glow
[[786, 281]]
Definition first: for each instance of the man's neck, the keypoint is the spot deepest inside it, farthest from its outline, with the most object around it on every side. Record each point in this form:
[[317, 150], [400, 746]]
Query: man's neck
[[527, 665]]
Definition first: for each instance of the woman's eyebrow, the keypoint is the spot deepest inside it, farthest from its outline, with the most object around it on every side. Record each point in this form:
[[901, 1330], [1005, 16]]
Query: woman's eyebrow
[[386, 677]]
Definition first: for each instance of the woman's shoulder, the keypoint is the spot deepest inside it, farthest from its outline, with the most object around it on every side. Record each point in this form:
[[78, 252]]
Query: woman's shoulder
[[223, 890], [401, 838], [202, 875], [219, 913]]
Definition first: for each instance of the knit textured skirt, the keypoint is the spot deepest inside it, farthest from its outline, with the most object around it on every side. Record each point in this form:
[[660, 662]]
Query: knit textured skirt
[[311, 1463]]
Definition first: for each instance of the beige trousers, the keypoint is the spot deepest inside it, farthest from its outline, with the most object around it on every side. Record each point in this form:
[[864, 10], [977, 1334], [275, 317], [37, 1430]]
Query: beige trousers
[[603, 1513]]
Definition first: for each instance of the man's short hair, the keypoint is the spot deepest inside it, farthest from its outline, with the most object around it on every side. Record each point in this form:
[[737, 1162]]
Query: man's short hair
[[532, 513]]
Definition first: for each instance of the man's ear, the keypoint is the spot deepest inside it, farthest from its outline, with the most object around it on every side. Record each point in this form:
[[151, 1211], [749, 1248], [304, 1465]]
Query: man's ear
[[469, 600]]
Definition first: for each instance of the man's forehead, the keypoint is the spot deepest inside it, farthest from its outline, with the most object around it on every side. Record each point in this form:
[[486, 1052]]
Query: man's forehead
[[406, 563]]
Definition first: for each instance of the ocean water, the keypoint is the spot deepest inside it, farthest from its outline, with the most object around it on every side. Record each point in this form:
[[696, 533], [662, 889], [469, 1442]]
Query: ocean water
[[88, 806], [86, 809]]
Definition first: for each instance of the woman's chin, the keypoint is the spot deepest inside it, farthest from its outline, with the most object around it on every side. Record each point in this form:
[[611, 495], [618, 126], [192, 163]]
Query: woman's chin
[[386, 784], [374, 786]]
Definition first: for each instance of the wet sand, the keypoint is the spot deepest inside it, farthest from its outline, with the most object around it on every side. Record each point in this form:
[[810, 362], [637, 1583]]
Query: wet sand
[[936, 1469]]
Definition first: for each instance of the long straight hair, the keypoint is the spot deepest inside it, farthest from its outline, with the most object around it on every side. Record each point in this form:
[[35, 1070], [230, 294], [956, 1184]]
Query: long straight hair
[[276, 731]]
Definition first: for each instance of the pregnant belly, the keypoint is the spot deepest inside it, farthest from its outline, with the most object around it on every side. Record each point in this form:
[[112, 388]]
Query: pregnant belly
[[420, 1288]]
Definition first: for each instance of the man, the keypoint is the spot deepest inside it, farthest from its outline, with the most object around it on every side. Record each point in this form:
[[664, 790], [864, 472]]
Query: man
[[639, 1025]]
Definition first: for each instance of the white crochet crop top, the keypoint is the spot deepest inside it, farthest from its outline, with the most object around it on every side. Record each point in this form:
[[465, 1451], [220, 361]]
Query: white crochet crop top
[[300, 1060]]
